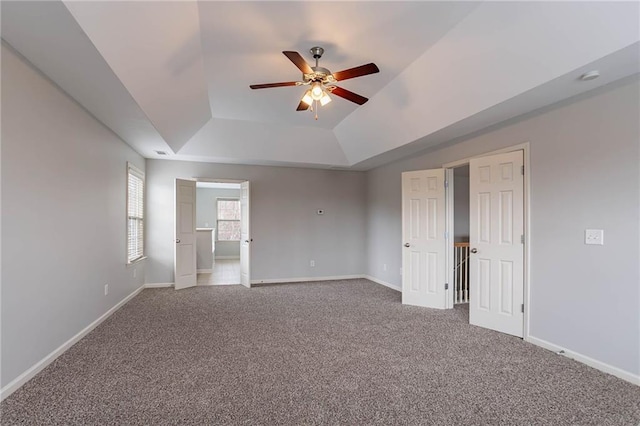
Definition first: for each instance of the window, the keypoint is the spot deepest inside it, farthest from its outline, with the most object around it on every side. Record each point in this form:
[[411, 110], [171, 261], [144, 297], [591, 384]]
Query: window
[[135, 213], [228, 225]]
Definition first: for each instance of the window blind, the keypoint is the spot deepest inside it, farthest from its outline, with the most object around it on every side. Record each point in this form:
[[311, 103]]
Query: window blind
[[228, 212], [135, 214]]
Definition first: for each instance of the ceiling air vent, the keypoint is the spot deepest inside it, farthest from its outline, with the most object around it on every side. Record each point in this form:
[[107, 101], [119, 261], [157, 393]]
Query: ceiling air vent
[[161, 152]]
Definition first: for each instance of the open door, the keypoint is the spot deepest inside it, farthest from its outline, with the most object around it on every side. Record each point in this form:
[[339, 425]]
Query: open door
[[423, 233], [245, 237], [185, 237], [497, 242]]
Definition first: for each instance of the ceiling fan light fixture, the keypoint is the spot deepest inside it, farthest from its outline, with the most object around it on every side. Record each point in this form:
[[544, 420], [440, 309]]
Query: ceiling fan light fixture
[[325, 99], [317, 91], [307, 99]]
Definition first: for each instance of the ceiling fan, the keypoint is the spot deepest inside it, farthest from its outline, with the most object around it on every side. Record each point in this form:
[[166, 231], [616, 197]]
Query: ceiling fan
[[321, 81]]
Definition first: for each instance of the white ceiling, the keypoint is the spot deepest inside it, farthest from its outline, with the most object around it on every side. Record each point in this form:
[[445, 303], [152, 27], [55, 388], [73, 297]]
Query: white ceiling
[[174, 76]]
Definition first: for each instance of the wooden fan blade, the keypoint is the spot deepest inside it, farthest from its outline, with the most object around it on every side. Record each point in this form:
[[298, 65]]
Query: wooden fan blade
[[348, 95], [302, 106], [265, 86], [356, 72], [298, 61]]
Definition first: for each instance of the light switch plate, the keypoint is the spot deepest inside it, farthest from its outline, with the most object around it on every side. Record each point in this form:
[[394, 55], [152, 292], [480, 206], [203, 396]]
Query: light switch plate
[[594, 236]]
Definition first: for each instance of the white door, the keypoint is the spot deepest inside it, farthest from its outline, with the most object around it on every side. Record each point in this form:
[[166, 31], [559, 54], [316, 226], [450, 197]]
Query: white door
[[424, 245], [185, 237], [496, 264], [245, 237]]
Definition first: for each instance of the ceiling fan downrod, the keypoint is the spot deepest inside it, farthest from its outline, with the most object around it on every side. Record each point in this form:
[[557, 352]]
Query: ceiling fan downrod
[[317, 53]]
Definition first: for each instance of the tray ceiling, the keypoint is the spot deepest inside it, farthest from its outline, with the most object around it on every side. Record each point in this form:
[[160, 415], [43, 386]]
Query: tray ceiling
[[174, 76]]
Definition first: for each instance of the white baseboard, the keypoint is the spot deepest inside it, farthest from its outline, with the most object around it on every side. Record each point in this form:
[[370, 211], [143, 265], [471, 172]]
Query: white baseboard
[[16, 383], [384, 283], [204, 271], [158, 285], [216, 284], [302, 279], [226, 257], [599, 365]]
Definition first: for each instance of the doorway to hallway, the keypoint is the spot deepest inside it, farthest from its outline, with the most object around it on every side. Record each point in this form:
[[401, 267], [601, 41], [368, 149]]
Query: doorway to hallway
[[495, 218]]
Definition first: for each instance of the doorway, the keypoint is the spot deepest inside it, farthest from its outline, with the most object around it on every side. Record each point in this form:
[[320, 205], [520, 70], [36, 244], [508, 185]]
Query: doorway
[[494, 214], [212, 232], [218, 233], [460, 189]]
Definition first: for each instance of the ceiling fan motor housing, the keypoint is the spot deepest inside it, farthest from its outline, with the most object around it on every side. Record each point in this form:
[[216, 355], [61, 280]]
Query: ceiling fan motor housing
[[319, 74]]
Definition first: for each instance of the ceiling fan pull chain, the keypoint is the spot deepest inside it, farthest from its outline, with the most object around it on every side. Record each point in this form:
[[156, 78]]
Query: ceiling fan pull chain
[[316, 108]]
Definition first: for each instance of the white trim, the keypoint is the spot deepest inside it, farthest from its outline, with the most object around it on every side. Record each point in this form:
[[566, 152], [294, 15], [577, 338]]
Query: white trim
[[303, 279], [527, 237], [206, 179], [599, 365], [450, 232], [384, 283], [215, 284], [158, 285], [16, 383], [135, 262], [204, 271], [227, 257], [521, 146], [330, 278]]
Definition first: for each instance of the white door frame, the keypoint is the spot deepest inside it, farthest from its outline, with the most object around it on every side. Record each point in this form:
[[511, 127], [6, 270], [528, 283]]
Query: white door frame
[[449, 233], [245, 234], [527, 224], [238, 181]]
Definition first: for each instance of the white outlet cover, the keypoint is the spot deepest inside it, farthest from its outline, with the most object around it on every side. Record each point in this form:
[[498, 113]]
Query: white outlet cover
[[594, 236]]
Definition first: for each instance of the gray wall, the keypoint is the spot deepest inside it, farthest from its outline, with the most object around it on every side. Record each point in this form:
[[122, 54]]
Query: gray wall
[[461, 203], [287, 233], [584, 174], [63, 217], [207, 215]]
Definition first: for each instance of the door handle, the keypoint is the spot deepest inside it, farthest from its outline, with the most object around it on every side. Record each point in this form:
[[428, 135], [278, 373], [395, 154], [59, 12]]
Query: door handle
[[177, 240], [246, 241], [407, 245], [474, 250]]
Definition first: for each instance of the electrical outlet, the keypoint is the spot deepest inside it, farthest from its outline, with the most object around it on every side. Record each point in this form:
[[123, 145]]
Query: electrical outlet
[[594, 236], [106, 289], [312, 263], [384, 267]]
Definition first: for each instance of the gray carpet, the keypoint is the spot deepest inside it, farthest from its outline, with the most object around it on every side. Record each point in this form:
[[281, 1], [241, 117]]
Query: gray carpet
[[341, 352]]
